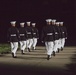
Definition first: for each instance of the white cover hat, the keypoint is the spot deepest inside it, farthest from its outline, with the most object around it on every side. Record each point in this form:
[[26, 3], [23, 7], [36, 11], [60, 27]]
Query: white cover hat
[[48, 20], [22, 23], [61, 22], [28, 22], [53, 20], [13, 22], [33, 24]]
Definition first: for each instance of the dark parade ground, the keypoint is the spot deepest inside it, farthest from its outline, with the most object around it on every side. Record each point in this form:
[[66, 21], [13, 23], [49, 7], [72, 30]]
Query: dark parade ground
[[35, 63]]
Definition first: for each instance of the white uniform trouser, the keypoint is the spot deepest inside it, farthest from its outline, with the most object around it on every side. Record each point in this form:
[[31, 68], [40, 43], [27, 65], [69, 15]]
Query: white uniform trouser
[[22, 45], [55, 47], [34, 42], [62, 42], [29, 43], [49, 47], [14, 47]]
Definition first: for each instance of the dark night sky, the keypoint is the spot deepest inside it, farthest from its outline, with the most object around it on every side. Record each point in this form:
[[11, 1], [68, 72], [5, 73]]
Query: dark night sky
[[37, 11]]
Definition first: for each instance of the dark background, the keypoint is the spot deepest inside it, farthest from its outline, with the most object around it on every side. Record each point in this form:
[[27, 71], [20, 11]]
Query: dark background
[[37, 11]]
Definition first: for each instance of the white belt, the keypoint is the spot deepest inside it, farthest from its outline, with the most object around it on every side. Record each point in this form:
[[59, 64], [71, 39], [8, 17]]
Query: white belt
[[29, 33], [13, 35], [56, 33], [22, 34], [34, 33], [62, 32], [50, 34]]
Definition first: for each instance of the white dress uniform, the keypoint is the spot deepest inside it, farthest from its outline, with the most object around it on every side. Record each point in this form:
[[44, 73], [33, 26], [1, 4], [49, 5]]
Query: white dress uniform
[[48, 38], [59, 40], [29, 33], [63, 35], [57, 37], [13, 37], [55, 40], [35, 35], [23, 36]]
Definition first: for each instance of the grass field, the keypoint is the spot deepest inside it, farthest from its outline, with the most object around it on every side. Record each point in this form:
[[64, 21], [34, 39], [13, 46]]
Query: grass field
[[4, 48]]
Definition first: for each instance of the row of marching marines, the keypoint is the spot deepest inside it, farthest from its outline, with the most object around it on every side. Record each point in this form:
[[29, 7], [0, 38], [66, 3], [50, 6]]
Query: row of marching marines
[[53, 35]]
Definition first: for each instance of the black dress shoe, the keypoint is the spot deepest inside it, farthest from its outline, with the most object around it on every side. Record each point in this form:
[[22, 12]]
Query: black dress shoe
[[61, 49], [33, 49], [58, 50], [22, 52], [13, 55], [48, 57], [53, 53], [28, 49]]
